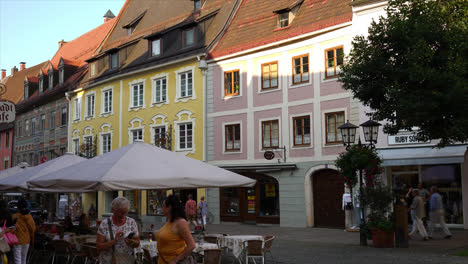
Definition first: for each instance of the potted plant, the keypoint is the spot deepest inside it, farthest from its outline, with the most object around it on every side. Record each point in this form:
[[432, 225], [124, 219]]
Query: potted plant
[[380, 225]]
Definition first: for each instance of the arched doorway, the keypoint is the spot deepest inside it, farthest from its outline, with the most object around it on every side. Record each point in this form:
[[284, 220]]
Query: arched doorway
[[328, 195]]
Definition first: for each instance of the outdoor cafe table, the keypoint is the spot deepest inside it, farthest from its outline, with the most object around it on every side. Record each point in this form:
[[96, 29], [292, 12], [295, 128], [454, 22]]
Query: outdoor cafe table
[[153, 249], [236, 243]]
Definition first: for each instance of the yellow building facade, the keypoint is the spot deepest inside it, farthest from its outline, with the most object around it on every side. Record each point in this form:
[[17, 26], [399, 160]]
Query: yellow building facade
[[106, 112]]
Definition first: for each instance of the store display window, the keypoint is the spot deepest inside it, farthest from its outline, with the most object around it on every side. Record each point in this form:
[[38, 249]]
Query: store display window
[[132, 196], [229, 201], [155, 200]]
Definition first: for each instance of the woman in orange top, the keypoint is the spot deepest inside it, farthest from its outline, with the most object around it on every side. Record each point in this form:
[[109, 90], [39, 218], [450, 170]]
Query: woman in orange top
[[25, 228], [175, 242]]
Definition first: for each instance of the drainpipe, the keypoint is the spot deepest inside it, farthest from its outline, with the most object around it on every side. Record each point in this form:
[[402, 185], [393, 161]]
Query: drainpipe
[[203, 66], [68, 96]]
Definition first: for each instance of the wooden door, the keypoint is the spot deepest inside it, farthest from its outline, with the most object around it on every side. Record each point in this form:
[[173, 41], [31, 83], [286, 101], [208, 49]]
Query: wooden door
[[328, 195]]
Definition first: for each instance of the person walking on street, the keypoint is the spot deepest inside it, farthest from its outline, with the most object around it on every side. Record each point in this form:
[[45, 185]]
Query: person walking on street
[[437, 213], [203, 208], [174, 240], [117, 236], [25, 228], [417, 206], [191, 210]]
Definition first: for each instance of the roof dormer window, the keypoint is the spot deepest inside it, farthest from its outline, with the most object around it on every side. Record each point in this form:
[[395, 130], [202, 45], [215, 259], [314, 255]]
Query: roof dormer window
[[188, 37], [61, 75], [287, 14], [51, 79], [114, 60], [197, 4], [131, 26], [41, 83], [283, 19]]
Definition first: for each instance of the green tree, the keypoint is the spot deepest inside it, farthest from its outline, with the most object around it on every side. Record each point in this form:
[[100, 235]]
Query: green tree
[[412, 69]]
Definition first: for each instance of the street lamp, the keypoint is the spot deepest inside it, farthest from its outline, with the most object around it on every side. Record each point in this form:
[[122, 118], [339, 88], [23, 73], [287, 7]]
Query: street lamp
[[348, 134]]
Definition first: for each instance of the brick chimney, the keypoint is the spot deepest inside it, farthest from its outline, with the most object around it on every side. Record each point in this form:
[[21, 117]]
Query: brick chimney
[[3, 74], [22, 66], [13, 70], [61, 43]]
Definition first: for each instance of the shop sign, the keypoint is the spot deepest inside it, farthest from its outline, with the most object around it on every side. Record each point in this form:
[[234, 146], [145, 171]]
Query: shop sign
[[269, 155], [404, 139], [251, 204], [270, 190], [7, 112]]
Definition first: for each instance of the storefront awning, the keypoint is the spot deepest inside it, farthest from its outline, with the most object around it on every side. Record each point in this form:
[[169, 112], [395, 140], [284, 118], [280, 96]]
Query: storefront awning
[[260, 167], [422, 155]]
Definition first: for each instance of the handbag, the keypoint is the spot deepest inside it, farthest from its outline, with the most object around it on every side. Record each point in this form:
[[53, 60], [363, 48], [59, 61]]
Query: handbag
[[4, 247], [9, 237]]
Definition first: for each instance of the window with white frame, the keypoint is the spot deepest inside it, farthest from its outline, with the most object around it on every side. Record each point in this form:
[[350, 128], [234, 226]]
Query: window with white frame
[[76, 146], [137, 134], [270, 134], [160, 90], [186, 84], [301, 126], [160, 136], [33, 125], [156, 47], [185, 136], [77, 104], [90, 105], [106, 143], [137, 95], [232, 137], [107, 101], [88, 142]]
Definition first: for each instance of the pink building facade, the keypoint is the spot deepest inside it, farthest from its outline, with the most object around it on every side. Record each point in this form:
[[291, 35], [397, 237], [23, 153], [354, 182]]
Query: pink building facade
[[6, 145]]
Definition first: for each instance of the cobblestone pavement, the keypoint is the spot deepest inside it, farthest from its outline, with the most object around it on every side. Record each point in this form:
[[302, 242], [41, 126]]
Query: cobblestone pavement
[[320, 245]]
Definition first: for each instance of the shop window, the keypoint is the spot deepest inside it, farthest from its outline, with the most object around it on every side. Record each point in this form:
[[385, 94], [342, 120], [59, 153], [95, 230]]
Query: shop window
[[269, 197], [155, 200], [270, 134], [133, 198], [332, 122], [229, 202]]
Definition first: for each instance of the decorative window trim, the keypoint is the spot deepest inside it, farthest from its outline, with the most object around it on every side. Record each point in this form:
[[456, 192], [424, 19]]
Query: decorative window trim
[[325, 59], [178, 88], [292, 125], [103, 90], [225, 151], [87, 116], [101, 133], [131, 107], [153, 89], [324, 125], [241, 79], [260, 86], [153, 125], [75, 136], [260, 131], [132, 127], [189, 119]]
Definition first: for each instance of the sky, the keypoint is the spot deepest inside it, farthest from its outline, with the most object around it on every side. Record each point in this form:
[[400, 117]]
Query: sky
[[31, 29]]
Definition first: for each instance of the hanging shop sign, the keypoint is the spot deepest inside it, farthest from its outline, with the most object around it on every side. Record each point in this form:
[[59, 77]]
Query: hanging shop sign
[[269, 155], [7, 112]]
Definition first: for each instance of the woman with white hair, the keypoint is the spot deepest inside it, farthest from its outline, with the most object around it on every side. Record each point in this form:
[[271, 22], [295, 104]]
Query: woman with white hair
[[117, 236]]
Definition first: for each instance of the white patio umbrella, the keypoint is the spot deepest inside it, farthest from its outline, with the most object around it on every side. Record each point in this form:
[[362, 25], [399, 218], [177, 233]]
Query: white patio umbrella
[[139, 166], [13, 170], [17, 181]]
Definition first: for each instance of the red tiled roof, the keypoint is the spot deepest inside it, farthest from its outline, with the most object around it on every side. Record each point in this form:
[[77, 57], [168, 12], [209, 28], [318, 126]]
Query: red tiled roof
[[81, 48], [255, 23], [15, 82]]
